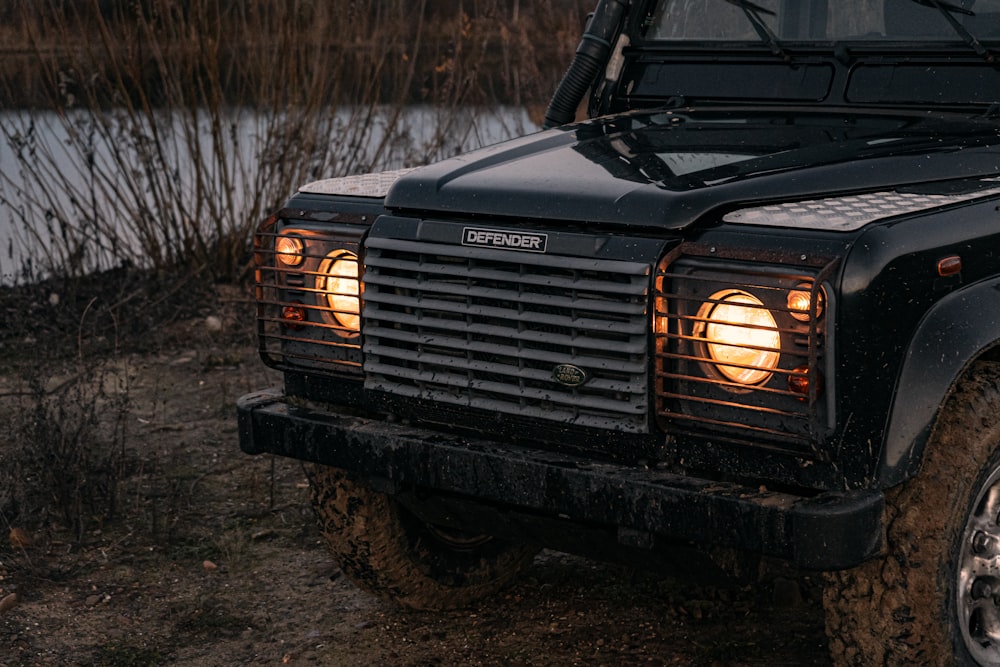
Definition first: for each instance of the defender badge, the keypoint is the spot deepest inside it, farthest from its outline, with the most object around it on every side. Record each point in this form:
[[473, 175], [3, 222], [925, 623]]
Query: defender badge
[[505, 239], [569, 375]]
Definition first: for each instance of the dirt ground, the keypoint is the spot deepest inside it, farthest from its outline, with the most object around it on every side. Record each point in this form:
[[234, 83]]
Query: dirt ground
[[214, 559]]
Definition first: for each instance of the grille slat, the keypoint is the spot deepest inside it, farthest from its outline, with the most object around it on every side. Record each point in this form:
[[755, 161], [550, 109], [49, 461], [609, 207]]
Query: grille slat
[[433, 311], [510, 372], [497, 388], [609, 303], [486, 328], [503, 347]]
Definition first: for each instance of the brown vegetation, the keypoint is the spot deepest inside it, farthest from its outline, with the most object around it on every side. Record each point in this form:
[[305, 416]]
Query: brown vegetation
[[174, 127], [435, 51]]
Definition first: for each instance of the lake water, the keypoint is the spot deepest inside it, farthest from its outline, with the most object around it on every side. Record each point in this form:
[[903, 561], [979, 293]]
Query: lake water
[[72, 187]]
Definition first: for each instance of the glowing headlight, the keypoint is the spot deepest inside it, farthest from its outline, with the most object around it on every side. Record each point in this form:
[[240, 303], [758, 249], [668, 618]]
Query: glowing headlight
[[289, 250], [339, 287], [740, 335]]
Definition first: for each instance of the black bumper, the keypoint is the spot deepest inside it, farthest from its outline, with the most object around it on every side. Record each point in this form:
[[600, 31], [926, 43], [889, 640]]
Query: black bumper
[[826, 532]]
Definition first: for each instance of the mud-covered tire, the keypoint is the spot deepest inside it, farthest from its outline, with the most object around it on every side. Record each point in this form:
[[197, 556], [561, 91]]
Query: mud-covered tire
[[916, 605], [386, 550]]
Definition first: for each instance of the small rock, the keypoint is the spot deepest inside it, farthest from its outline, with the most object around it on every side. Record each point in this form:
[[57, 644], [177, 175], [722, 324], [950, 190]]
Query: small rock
[[213, 324], [53, 299], [209, 566], [8, 603], [93, 600]]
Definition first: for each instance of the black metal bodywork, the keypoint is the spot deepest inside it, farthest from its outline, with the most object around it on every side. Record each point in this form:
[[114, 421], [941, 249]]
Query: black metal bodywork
[[623, 225]]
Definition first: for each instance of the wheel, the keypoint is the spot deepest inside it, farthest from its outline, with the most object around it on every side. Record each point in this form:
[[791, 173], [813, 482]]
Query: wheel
[[386, 550], [934, 598]]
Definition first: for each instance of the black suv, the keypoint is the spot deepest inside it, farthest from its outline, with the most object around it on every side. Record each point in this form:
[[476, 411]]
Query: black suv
[[750, 307]]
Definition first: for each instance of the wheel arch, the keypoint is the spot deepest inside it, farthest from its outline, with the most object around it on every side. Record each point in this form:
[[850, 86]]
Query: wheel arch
[[960, 329]]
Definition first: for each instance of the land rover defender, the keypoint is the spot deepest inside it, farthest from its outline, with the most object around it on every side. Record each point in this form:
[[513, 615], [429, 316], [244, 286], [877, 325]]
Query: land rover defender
[[749, 306]]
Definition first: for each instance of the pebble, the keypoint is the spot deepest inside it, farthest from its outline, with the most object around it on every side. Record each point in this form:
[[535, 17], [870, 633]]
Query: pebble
[[185, 358], [8, 603]]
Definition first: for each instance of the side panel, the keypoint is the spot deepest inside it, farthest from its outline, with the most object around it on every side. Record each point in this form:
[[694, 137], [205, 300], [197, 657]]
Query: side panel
[[905, 331], [959, 329]]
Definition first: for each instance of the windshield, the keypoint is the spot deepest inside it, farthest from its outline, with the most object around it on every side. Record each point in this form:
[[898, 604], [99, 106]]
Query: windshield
[[823, 20]]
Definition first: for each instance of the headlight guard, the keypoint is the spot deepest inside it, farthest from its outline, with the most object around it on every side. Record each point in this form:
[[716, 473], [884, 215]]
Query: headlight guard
[[742, 348], [309, 296]]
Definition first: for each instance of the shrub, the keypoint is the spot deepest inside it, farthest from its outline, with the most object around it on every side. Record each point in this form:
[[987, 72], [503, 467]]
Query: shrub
[[63, 455], [162, 132]]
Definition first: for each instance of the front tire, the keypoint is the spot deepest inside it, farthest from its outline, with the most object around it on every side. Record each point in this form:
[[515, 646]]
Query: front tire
[[389, 552], [934, 598]]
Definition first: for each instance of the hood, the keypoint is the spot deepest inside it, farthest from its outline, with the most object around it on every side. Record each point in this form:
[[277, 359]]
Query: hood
[[668, 169]]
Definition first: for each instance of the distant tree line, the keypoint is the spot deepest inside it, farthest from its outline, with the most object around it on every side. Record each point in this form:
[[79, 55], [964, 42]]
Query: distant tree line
[[478, 51], [190, 120]]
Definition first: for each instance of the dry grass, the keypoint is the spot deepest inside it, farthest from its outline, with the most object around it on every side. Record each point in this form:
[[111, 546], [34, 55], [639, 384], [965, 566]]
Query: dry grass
[[162, 137], [159, 133]]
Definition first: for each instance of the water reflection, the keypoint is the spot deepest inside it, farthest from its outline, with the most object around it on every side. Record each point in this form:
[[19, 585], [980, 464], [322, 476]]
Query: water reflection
[[91, 190]]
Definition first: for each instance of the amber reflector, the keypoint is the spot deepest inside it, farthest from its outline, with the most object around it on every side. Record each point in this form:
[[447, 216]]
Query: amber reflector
[[949, 266], [292, 315], [799, 382]]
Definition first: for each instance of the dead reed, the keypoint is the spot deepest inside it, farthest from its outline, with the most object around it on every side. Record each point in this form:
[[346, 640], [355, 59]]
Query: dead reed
[[156, 134]]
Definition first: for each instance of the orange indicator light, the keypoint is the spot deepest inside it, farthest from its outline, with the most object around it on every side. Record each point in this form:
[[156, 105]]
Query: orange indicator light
[[289, 250], [949, 266]]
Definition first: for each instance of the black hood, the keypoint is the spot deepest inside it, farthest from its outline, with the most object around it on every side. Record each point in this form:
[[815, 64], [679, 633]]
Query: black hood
[[668, 169]]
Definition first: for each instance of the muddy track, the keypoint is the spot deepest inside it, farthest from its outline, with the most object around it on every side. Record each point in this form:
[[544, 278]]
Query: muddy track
[[215, 559]]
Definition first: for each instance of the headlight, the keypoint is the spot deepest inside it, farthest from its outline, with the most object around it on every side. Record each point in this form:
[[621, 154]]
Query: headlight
[[740, 335], [339, 287]]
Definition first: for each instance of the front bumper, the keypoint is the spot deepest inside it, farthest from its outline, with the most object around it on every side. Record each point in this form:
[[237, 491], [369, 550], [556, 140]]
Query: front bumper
[[826, 532]]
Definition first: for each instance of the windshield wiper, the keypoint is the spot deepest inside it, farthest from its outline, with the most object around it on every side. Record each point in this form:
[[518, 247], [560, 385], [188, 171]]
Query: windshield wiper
[[949, 10], [753, 13]]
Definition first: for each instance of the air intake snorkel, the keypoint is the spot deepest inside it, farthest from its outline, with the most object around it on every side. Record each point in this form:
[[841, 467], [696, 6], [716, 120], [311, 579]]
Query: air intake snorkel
[[591, 55]]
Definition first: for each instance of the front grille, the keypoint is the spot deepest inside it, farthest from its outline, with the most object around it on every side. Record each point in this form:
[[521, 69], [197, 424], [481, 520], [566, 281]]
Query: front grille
[[493, 329]]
